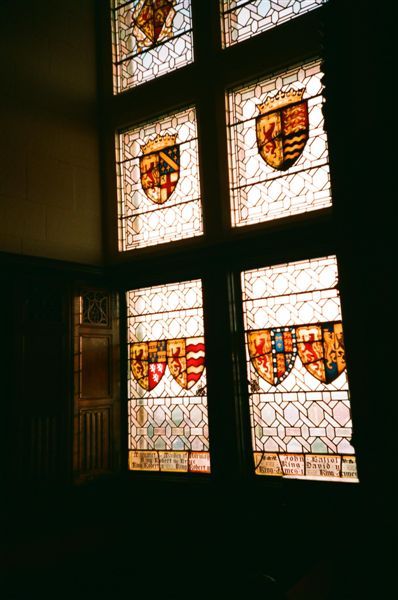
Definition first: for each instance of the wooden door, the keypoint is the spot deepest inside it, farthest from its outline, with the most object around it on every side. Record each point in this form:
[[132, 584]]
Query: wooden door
[[96, 385]]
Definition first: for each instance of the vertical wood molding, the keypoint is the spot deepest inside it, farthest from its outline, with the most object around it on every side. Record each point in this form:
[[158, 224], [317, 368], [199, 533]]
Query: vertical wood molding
[[95, 440], [38, 448]]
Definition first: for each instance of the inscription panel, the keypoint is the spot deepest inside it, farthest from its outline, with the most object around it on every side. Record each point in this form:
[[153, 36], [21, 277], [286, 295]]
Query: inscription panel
[[316, 466], [180, 461]]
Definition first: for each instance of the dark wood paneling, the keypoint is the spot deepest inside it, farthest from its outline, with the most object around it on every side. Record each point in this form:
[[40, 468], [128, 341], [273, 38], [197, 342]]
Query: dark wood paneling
[[43, 371], [97, 384], [39, 425], [95, 365], [38, 448], [37, 390], [95, 439]]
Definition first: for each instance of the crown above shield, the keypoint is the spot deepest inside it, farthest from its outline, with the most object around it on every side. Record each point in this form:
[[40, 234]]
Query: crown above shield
[[158, 143], [282, 127], [281, 99]]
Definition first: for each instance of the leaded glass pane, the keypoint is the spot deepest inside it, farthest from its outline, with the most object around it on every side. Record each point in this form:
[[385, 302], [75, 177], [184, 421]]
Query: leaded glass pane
[[168, 424], [299, 394], [158, 182], [278, 155], [241, 19], [150, 38]]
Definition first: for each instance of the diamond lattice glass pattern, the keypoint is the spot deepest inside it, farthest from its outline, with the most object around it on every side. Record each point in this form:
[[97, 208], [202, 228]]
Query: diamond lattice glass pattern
[[168, 424], [299, 395], [278, 156], [241, 19], [158, 182], [150, 38]]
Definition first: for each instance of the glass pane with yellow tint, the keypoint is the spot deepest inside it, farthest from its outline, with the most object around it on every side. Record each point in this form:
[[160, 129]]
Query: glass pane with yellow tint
[[296, 366], [168, 423], [150, 38], [277, 147], [242, 19], [158, 181]]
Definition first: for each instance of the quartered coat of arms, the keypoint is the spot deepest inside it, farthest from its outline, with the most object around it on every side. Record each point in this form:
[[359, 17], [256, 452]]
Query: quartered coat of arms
[[152, 22], [282, 128], [185, 358], [320, 347], [148, 362], [160, 167], [272, 352], [321, 350]]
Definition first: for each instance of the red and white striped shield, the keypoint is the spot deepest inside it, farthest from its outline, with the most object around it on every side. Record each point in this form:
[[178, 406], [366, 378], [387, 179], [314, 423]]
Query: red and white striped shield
[[186, 360]]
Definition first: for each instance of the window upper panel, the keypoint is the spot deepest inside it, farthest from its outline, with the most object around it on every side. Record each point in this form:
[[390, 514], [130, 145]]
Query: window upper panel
[[278, 155], [150, 38], [158, 181], [241, 19]]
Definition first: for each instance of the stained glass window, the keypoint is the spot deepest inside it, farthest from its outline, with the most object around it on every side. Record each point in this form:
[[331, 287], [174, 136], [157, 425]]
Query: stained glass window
[[241, 19], [150, 38], [158, 182], [278, 156], [299, 395], [168, 425]]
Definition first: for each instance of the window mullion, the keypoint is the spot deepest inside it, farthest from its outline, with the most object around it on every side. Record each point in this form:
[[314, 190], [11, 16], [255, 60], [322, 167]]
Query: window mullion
[[213, 165], [226, 421]]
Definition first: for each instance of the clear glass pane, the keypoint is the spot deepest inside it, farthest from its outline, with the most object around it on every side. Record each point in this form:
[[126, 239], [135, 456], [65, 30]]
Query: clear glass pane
[[168, 424], [278, 154], [299, 394], [241, 19], [158, 182], [150, 38]]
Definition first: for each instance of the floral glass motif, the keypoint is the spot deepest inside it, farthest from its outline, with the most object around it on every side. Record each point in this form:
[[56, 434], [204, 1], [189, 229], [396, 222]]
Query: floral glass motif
[[299, 394], [242, 19], [278, 155], [150, 38], [158, 182], [168, 424]]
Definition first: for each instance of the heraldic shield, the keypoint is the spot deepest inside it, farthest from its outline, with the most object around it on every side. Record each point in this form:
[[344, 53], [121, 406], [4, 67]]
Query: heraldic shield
[[272, 352], [321, 350], [186, 360], [160, 168], [282, 128], [152, 19], [148, 363]]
